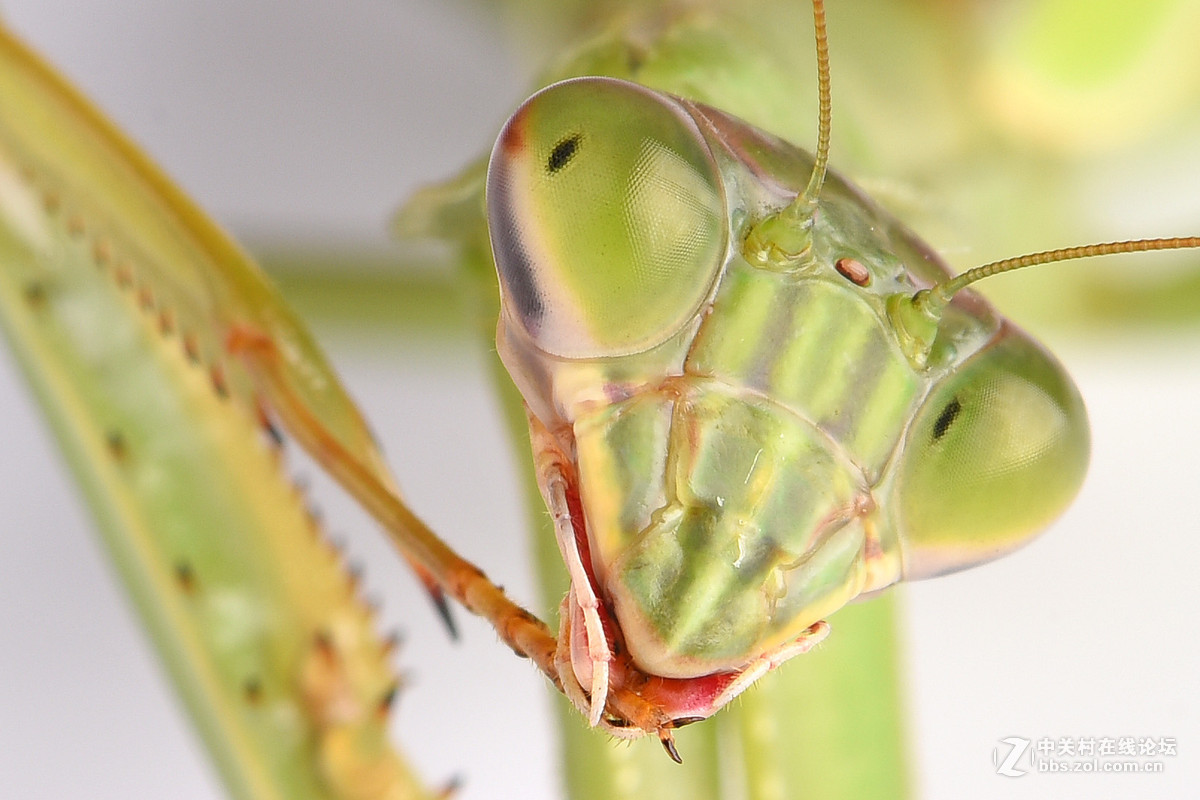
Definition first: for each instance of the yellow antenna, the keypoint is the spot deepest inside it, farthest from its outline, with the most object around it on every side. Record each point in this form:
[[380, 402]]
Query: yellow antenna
[[917, 316], [939, 295], [786, 235], [824, 115]]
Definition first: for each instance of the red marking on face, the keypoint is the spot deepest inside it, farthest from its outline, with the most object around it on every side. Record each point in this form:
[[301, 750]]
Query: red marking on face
[[853, 271], [512, 143], [583, 545], [689, 697], [676, 698]]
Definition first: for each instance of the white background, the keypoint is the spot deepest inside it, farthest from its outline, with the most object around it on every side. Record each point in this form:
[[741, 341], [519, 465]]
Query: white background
[[312, 121]]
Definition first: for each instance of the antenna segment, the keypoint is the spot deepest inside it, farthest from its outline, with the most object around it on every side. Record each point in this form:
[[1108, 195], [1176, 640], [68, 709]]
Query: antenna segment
[[785, 236], [918, 316], [824, 113], [936, 297]]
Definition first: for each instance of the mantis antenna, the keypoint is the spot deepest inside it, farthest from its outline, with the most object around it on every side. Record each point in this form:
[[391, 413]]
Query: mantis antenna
[[938, 295], [806, 204], [785, 236], [917, 316]]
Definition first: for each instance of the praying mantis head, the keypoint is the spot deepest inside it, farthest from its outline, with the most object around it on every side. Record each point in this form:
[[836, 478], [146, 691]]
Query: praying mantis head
[[755, 395]]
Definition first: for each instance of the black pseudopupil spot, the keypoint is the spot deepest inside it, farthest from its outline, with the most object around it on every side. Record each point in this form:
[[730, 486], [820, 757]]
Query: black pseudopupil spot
[[562, 153], [946, 418]]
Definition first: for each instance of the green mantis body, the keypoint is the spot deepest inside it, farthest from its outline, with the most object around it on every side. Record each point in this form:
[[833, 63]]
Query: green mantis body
[[1000, 625]]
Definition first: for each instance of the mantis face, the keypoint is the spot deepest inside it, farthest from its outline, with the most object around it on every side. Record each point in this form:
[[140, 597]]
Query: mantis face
[[733, 448]]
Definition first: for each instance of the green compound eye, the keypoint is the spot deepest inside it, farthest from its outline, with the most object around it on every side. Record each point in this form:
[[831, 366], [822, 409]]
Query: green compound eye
[[995, 454], [607, 218]]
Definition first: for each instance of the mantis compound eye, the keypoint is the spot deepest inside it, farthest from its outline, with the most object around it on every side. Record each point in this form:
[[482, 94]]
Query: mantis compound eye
[[607, 217], [997, 452]]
